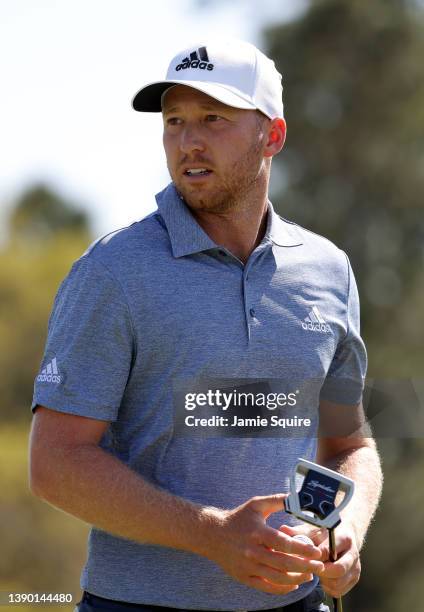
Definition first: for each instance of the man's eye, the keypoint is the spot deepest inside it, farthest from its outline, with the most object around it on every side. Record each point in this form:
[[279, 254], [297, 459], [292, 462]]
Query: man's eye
[[213, 118], [173, 121]]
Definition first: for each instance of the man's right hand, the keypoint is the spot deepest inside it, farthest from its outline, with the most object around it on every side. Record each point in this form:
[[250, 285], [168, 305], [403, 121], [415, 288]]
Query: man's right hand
[[257, 555]]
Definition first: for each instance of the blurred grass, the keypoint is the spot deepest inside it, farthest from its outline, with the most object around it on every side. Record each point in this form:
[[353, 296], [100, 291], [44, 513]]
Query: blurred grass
[[43, 549]]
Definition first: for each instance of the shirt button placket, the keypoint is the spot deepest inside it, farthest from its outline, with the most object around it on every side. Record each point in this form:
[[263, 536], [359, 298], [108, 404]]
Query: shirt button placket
[[251, 318]]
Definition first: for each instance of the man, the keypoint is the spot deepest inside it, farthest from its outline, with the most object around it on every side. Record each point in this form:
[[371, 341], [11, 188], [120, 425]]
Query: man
[[211, 290]]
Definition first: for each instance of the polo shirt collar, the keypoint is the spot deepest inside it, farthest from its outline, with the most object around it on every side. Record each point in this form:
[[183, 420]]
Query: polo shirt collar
[[185, 233], [187, 236], [280, 231]]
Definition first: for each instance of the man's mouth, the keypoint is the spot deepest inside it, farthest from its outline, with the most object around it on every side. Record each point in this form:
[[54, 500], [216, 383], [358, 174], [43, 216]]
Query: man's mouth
[[197, 172]]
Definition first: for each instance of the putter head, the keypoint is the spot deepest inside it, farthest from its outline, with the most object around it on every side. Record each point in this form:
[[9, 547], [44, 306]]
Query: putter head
[[314, 503]]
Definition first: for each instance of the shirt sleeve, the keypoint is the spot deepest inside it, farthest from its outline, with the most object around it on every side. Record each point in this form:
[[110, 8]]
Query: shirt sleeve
[[90, 345], [345, 379]]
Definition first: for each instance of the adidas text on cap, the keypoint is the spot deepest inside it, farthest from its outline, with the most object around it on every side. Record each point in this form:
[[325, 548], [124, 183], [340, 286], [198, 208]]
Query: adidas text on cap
[[234, 72]]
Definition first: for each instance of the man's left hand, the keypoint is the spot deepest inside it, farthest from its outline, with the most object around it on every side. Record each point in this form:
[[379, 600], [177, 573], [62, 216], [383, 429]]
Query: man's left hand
[[338, 577]]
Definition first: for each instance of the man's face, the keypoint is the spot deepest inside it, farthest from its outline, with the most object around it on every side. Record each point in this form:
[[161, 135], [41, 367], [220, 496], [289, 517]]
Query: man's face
[[200, 132]]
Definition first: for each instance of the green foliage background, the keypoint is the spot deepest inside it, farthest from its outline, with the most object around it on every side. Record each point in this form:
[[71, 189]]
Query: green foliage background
[[352, 170], [43, 549]]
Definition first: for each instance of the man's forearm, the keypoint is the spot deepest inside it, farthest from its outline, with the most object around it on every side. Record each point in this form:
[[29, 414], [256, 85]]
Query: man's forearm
[[363, 466], [97, 488]]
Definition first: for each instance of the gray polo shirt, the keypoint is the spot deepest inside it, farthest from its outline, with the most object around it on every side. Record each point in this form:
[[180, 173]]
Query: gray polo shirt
[[157, 310]]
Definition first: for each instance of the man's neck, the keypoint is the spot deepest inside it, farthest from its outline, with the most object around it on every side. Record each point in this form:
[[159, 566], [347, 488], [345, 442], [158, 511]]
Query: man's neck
[[239, 230]]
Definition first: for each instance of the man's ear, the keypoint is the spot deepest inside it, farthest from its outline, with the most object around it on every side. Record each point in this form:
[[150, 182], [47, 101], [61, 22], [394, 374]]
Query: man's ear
[[277, 130]]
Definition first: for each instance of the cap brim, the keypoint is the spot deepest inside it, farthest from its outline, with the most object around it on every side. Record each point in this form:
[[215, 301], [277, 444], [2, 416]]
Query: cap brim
[[148, 99]]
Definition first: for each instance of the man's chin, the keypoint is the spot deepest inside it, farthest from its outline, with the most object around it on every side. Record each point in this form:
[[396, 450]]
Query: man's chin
[[203, 199], [198, 198]]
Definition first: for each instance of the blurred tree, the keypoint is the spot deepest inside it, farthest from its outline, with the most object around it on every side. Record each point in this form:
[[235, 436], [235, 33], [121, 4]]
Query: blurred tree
[[352, 168], [40, 213], [46, 235]]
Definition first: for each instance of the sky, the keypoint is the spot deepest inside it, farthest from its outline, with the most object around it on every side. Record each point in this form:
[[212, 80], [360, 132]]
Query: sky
[[69, 69]]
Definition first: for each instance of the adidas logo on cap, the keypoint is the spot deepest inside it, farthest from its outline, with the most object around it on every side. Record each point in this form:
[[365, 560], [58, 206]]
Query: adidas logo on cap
[[50, 373], [316, 322], [197, 59], [239, 75]]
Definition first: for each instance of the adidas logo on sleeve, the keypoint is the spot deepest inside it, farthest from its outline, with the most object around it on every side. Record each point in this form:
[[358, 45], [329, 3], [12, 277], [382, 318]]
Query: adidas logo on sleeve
[[50, 373], [315, 322]]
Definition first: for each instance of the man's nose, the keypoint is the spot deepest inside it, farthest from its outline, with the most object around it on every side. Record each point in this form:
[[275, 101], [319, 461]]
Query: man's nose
[[191, 139]]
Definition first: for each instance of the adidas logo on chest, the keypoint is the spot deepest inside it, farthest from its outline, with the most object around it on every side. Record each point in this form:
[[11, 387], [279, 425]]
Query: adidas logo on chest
[[315, 322]]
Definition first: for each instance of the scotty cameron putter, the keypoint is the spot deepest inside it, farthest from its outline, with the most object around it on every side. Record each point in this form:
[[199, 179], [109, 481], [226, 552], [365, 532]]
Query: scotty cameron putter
[[314, 503]]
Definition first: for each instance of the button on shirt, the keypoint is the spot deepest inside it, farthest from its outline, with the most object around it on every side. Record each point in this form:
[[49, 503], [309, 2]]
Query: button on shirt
[[158, 306]]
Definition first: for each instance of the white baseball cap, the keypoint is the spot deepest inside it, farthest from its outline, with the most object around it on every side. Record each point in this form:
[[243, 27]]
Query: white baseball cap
[[233, 71]]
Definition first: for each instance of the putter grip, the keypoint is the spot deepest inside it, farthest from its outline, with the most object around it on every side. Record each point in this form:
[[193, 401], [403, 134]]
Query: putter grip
[[337, 601]]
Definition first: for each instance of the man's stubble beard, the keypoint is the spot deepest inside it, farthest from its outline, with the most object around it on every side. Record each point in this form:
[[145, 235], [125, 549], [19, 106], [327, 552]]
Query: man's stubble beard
[[236, 187]]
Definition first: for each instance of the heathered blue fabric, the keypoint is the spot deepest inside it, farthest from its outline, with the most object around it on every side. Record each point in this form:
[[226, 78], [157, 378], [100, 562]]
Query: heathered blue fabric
[[158, 303]]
